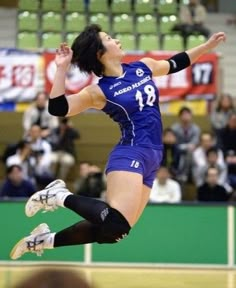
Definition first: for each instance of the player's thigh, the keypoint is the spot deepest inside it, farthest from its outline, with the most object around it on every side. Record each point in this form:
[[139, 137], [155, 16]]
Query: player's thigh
[[144, 200], [124, 193]]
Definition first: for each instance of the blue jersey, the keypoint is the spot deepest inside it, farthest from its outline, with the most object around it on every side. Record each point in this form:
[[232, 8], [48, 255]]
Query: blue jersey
[[132, 102]]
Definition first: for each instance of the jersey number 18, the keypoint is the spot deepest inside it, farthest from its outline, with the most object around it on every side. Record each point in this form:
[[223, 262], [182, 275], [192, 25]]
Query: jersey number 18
[[151, 96]]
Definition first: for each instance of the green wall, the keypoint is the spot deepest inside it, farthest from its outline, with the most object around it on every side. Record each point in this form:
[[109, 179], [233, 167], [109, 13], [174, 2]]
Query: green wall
[[165, 234]]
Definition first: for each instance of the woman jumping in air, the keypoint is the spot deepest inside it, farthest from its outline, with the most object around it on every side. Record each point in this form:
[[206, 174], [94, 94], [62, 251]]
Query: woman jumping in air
[[127, 93]]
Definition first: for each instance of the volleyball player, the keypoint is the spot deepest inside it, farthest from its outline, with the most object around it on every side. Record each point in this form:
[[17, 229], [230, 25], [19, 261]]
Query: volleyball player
[[127, 93]]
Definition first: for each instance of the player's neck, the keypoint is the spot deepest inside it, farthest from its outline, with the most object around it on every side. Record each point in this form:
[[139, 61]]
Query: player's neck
[[113, 69]]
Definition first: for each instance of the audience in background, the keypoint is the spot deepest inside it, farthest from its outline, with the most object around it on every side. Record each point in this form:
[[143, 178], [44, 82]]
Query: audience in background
[[171, 152], [200, 161], [211, 190], [55, 278], [187, 135], [212, 156], [227, 141], [91, 182], [63, 156], [165, 189], [24, 158], [83, 172], [192, 19], [37, 114], [41, 151], [220, 115], [15, 185]]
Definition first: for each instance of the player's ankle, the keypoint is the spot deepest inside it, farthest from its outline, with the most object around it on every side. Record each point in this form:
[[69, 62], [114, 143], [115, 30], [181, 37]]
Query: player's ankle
[[61, 196], [49, 241]]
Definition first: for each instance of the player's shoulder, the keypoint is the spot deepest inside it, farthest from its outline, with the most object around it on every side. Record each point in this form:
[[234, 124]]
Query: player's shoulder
[[140, 64]]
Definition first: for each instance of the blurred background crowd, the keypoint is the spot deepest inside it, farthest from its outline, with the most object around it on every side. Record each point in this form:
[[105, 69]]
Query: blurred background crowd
[[198, 159]]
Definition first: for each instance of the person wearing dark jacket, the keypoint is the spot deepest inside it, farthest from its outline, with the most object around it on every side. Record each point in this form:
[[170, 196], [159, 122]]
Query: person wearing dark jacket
[[15, 185], [210, 190]]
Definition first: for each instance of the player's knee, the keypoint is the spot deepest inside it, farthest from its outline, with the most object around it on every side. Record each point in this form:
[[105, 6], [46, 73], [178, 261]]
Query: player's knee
[[114, 228]]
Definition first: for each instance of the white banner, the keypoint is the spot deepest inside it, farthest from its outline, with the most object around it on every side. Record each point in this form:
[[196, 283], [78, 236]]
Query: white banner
[[19, 75]]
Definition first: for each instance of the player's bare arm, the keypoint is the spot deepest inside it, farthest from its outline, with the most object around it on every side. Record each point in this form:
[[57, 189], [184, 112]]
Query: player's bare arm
[[184, 59], [90, 97]]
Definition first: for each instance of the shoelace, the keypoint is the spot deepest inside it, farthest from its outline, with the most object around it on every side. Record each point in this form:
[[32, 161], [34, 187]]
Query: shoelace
[[43, 199], [32, 245]]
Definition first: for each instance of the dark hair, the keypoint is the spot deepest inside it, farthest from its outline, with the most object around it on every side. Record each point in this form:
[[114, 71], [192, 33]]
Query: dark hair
[[212, 150], [86, 48], [184, 109], [22, 144], [12, 167], [168, 130]]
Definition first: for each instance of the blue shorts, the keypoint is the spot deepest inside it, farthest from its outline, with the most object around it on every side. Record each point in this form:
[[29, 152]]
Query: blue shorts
[[142, 160]]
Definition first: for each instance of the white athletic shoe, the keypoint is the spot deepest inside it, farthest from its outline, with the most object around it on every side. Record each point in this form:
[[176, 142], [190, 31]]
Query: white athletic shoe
[[33, 243], [48, 199]]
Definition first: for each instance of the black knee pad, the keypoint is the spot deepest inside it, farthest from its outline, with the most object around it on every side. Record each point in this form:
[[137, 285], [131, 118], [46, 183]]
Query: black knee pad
[[114, 228]]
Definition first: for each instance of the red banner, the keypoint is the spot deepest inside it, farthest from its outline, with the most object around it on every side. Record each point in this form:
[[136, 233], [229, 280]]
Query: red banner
[[197, 81]]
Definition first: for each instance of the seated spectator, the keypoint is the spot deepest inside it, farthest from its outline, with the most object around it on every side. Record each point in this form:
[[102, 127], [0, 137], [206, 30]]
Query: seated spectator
[[220, 114], [227, 141], [37, 113], [23, 157], [212, 161], [211, 190], [64, 155], [41, 151], [84, 169], [15, 185], [192, 19], [92, 184], [164, 188], [200, 154], [187, 135], [171, 153]]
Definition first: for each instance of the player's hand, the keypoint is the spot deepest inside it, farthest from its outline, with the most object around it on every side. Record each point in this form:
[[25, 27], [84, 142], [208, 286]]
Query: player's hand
[[215, 40], [63, 56]]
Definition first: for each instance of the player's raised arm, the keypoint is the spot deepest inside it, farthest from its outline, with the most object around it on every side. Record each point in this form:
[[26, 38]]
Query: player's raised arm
[[182, 60], [59, 104]]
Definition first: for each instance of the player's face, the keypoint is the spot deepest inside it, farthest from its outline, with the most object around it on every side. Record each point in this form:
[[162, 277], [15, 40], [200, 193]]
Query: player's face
[[113, 46]]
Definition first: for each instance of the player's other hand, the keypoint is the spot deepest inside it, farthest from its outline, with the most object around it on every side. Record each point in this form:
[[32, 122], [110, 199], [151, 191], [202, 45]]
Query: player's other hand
[[215, 40], [63, 56]]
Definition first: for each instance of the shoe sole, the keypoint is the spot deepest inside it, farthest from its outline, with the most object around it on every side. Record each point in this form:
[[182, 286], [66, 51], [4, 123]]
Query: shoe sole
[[27, 204], [38, 230]]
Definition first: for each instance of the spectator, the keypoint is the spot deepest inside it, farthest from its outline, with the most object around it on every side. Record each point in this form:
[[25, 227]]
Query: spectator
[[15, 185], [92, 185], [23, 157], [37, 113], [200, 154], [187, 135], [164, 188], [212, 161], [211, 190], [192, 20], [227, 140], [41, 151], [171, 153], [220, 115], [64, 155], [54, 278], [84, 169]]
